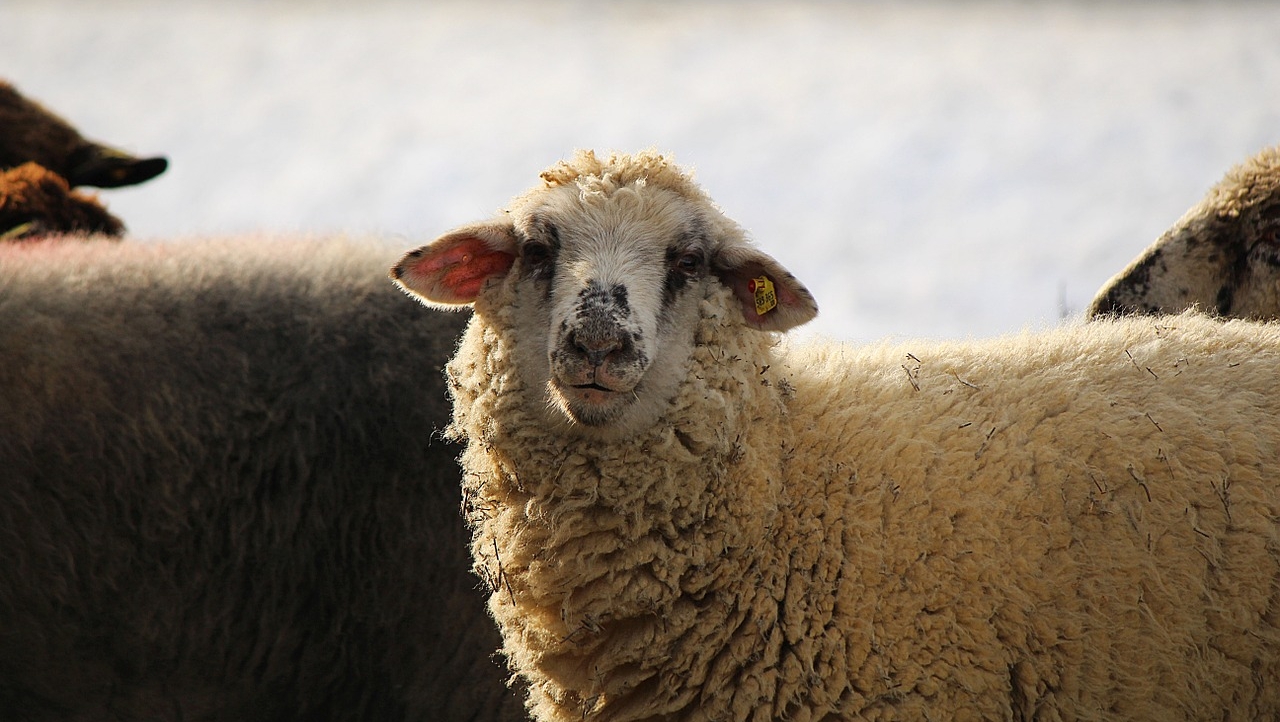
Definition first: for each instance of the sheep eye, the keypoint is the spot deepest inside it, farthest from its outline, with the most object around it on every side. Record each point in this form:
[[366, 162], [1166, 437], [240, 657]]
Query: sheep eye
[[535, 254], [1268, 242], [688, 263]]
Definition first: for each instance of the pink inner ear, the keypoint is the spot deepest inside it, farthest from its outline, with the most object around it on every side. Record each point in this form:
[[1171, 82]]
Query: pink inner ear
[[738, 267], [455, 272], [472, 268], [786, 297]]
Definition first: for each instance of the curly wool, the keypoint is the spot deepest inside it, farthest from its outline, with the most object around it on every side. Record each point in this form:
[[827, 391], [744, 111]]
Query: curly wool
[[1079, 524], [1073, 525], [601, 557], [621, 170], [1246, 185]]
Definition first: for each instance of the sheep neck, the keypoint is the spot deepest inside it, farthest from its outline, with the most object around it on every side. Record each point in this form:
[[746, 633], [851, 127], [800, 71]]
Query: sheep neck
[[617, 569]]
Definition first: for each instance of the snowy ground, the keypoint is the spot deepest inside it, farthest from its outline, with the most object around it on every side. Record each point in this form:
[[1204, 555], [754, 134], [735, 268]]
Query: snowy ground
[[928, 169]]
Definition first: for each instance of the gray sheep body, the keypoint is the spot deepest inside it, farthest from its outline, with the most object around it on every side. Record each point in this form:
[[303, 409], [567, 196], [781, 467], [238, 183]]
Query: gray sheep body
[[222, 492]]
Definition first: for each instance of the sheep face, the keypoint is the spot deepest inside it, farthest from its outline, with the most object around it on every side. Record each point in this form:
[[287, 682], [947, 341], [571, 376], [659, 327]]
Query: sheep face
[[1223, 256], [621, 280], [606, 278]]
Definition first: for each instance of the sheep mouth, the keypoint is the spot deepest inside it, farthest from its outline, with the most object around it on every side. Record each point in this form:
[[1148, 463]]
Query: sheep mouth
[[591, 404], [590, 394], [593, 385]]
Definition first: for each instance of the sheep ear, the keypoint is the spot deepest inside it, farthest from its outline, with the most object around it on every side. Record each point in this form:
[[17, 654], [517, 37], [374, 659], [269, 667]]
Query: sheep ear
[[771, 298], [452, 269], [103, 167]]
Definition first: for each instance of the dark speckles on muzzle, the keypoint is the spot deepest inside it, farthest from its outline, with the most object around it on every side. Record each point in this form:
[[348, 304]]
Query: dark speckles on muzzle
[[600, 320], [600, 339], [598, 305]]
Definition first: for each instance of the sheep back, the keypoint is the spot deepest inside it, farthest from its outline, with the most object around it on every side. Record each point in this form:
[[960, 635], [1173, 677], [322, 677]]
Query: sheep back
[[1079, 523], [222, 494]]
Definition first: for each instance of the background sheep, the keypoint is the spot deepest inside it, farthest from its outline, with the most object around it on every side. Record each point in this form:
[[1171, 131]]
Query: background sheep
[[35, 201], [222, 495], [1223, 256], [682, 521], [41, 158], [30, 132]]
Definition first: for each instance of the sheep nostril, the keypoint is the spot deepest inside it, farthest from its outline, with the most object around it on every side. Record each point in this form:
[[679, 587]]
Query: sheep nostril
[[596, 350]]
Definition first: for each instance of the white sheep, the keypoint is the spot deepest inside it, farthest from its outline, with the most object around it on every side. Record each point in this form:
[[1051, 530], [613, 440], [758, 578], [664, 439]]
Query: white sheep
[[223, 495], [1222, 256], [683, 520]]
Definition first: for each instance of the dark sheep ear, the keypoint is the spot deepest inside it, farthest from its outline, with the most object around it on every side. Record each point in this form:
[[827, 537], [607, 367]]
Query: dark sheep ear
[[103, 167], [451, 270], [771, 298]]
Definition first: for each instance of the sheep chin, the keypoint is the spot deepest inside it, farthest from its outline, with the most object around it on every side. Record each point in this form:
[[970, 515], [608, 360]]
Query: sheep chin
[[596, 408], [600, 415]]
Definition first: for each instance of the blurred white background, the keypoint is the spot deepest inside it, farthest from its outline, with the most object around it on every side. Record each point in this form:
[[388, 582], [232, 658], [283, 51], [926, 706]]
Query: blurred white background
[[944, 169]]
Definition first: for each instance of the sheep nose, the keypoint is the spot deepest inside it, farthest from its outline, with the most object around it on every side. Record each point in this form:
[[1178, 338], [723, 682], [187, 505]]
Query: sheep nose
[[596, 348]]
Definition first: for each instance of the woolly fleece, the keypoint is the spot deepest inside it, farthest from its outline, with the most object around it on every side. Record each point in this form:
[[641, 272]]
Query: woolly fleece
[[1074, 525], [222, 491]]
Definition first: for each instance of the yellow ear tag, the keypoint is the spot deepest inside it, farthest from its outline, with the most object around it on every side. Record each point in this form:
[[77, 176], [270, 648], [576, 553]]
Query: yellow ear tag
[[766, 299]]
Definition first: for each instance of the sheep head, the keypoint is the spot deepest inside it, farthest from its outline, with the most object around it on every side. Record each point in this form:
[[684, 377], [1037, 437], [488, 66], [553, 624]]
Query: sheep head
[[31, 132], [605, 265], [1223, 256]]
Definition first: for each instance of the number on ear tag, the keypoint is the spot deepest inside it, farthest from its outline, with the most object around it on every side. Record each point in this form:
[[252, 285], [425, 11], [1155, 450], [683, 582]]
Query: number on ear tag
[[766, 298]]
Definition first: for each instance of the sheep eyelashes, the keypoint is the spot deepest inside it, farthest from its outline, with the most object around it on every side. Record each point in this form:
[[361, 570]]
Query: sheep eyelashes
[[683, 519]]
